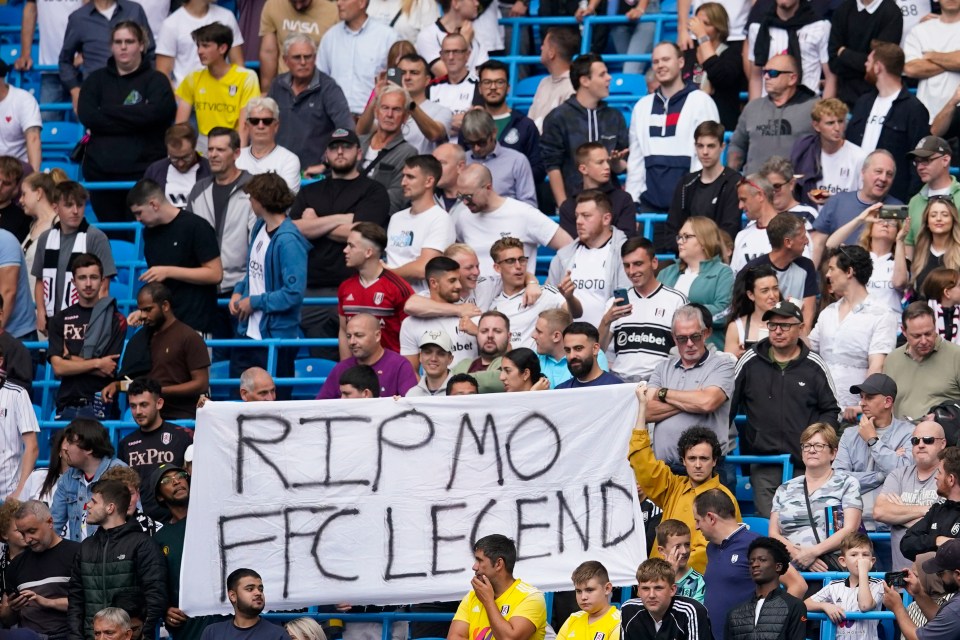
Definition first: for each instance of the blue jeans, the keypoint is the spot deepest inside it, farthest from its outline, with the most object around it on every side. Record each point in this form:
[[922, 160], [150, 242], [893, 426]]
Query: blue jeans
[[636, 39]]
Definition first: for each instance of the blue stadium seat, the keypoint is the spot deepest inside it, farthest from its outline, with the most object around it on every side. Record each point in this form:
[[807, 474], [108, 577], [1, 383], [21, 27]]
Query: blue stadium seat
[[220, 371], [625, 85], [61, 136], [527, 87], [9, 51], [744, 494], [124, 254], [310, 368], [72, 169], [760, 526]]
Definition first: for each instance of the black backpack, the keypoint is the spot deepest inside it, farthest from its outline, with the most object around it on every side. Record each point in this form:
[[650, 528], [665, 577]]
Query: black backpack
[[947, 415]]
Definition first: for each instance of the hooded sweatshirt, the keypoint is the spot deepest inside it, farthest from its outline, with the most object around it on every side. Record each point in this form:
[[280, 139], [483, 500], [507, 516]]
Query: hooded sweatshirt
[[765, 130]]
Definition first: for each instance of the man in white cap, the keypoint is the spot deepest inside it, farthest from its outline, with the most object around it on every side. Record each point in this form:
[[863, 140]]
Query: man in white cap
[[436, 356]]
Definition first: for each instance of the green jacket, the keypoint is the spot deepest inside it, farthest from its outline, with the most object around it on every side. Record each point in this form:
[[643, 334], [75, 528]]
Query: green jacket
[[919, 202], [489, 380], [713, 288]]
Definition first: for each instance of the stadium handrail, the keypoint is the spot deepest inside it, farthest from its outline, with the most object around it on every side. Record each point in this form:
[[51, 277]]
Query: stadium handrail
[[782, 459]]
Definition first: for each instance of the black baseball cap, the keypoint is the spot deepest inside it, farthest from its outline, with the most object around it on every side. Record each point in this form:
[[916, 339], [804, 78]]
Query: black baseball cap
[[876, 383], [344, 136], [947, 558], [784, 309]]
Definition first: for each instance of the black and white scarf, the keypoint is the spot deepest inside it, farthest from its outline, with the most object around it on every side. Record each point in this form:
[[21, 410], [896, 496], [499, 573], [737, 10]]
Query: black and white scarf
[[51, 258]]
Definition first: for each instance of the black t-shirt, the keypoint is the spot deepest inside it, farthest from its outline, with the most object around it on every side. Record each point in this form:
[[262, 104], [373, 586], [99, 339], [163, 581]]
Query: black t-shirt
[[17, 361], [366, 199], [14, 220], [67, 330], [47, 574], [187, 241], [145, 451]]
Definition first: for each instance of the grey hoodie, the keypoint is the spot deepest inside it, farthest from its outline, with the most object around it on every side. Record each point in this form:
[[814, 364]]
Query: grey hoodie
[[616, 277], [765, 130]]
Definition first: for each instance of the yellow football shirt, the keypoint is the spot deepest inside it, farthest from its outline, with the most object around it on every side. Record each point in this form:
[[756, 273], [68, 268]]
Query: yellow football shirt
[[217, 103], [578, 627], [521, 599]]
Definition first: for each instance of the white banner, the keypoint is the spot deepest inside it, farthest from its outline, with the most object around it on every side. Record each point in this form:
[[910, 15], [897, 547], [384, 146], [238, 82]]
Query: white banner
[[379, 501]]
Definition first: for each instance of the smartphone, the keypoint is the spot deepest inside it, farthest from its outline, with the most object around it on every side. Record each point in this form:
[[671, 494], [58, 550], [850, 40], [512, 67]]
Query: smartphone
[[622, 294], [395, 76], [895, 579], [894, 212]]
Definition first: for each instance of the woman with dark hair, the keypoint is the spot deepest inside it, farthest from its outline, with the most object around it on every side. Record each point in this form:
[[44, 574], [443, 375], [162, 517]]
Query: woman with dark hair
[[520, 371], [755, 291], [42, 483], [127, 107]]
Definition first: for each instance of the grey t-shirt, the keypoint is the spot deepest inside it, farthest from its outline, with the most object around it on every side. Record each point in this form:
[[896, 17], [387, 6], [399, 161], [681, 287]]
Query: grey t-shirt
[[903, 482], [97, 244]]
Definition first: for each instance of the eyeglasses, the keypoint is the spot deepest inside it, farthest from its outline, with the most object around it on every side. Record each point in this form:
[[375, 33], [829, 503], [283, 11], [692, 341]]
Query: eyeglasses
[[813, 446], [928, 160], [265, 121], [493, 83], [522, 260], [474, 143], [693, 338], [182, 159], [182, 475], [778, 185], [915, 440], [775, 73], [452, 52], [683, 237], [782, 326], [301, 58]]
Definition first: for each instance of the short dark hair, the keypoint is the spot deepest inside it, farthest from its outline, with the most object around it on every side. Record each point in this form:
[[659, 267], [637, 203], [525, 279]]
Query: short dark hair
[[362, 377], [637, 242], [373, 233], [497, 546], [82, 260], [271, 191], [89, 435], [181, 132], [144, 385], [416, 57], [493, 313], [133, 27], [214, 32], [776, 548], [114, 492], [566, 41], [233, 580], [854, 257], [581, 66], [429, 165], [234, 136], [710, 129], [715, 501], [72, 192], [493, 65], [11, 167], [439, 265], [581, 328], [890, 55], [699, 435], [784, 225], [951, 461], [462, 377], [599, 197], [917, 309], [157, 291], [143, 192]]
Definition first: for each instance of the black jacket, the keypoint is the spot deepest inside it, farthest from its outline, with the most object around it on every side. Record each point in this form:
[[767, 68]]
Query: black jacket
[[127, 117], [725, 211], [686, 619], [113, 561], [726, 76], [782, 617], [943, 519], [906, 122], [781, 403], [855, 31]]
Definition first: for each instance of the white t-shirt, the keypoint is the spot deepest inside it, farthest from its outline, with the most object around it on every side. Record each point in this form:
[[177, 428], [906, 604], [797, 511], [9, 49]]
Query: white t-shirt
[[912, 11], [878, 113], [847, 598], [841, 170], [256, 282], [411, 130], [458, 98], [933, 35], [412, 329], [880, 284], [685, 281], [157, 11], [589, 273], [280, 161], [813, 49], [408, 234], [16, 419], [179, 184], [422, 14], [175, 39], [643, 340], [369, 157], [52, 18], [752, 242], [514, 218], [523, 318], [19, 111], [430, 40]]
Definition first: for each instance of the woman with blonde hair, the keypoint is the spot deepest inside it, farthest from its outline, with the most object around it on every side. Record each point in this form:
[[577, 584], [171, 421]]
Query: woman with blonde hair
[[937, 244], [36, 199], [304, 629], [700, 273]]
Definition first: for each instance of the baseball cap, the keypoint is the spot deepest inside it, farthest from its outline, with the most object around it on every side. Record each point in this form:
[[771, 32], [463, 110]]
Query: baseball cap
[[162, 472], [876, 383], [929, 146], [344, 136], [437, 337], [947, 558], [784, 309]]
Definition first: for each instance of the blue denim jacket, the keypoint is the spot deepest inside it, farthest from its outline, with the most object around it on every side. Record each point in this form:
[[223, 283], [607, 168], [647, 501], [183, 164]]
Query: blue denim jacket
[[71, 496]]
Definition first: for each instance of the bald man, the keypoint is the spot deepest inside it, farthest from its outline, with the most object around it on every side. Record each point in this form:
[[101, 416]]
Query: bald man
[[453, 158], [257, 385], [363, 342], [487, 216]]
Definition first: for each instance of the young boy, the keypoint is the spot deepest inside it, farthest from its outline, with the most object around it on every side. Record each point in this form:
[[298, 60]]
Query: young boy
[[673, 544], [658, 604], [593, 163], [597, 618], [858, 593]]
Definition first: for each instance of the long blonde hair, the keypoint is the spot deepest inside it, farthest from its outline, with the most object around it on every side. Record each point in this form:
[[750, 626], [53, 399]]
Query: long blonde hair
[[951, 257], [708, 235]]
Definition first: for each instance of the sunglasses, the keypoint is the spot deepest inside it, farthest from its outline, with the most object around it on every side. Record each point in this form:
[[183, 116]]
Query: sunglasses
[[775, 73], [915, 440], [257, 121]]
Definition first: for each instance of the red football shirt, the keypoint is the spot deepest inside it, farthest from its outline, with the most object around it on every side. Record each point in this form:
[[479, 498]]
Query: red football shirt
[[383, 298]]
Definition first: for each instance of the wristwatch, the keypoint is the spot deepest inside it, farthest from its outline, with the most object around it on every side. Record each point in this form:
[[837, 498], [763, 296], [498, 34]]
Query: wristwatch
[[704, 39], [662, 394], [872, 441]]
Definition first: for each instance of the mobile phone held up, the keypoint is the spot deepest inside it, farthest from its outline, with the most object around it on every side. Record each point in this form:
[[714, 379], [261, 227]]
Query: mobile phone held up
[[395, 76], [896, 579], [622, 295], [893, 212]]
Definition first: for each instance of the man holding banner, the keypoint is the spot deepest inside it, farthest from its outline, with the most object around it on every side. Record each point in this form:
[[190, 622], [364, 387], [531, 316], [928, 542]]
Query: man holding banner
[[499, 606]]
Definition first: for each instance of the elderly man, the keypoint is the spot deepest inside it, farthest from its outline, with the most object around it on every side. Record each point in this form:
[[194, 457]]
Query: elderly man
[[457, 90], [312, 105], [264, 155], [257, 385], [926, 368], [383, 152], [512, 175], [690, 389], [909, 491], [281, 19], [452, 159]]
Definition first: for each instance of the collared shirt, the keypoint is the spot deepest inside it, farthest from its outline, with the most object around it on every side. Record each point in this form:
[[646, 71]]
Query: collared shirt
[[925, 383], [512, 175], [869, 8], [354, 58]]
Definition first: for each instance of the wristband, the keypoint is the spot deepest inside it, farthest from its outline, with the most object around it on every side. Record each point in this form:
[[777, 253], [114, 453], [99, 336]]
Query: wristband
[[704, 39]]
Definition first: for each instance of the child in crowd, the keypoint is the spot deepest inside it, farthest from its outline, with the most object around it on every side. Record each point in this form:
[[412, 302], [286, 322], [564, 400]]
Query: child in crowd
[[597, 618], [941, 288], [858, 593], [673, 544]]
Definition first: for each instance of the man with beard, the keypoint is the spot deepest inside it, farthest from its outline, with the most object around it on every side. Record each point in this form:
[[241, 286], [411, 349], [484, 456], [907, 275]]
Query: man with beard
[[581, 344], [692, 388], [772, 609], [493, 341], [944, 622], [245, 590]]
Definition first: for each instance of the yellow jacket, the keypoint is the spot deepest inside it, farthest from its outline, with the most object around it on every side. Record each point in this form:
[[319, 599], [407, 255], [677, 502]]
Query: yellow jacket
[[672, 493]]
